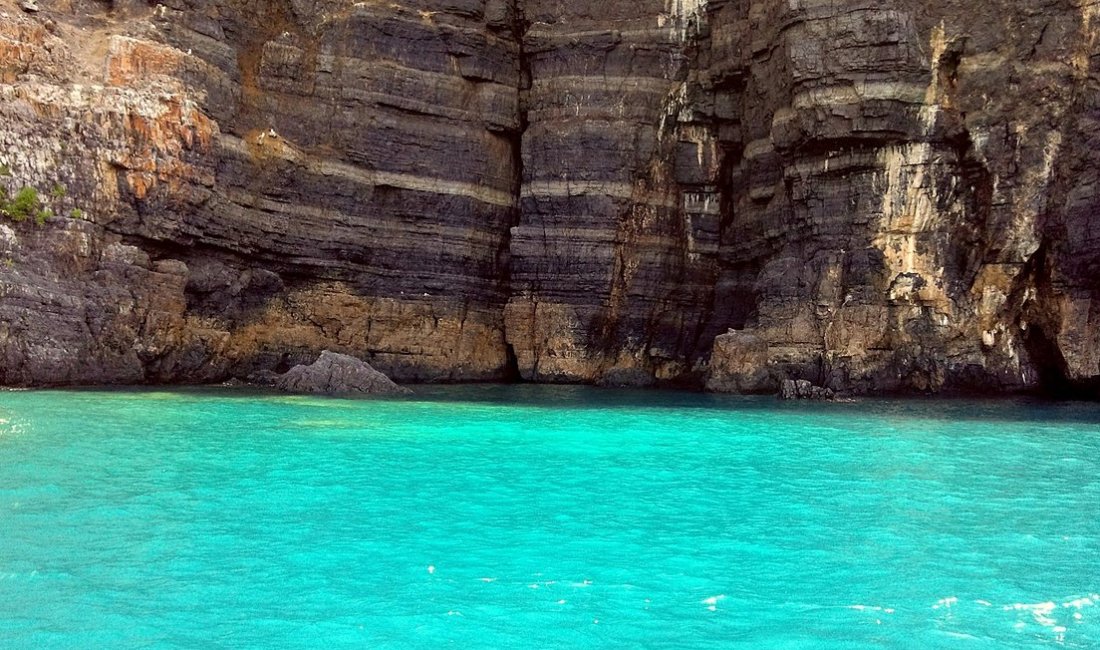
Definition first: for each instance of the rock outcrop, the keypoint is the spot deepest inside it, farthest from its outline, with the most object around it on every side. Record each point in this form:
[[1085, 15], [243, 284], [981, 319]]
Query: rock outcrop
[[742, 365], [337, 374], [802, 389], [78, 306], [872, 196]]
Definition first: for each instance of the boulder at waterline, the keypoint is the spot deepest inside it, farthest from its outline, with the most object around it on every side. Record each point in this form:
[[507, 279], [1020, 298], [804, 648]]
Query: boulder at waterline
[[337, 374]]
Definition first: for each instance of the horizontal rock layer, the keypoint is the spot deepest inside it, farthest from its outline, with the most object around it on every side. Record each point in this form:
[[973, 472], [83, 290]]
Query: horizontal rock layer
[[871, 196]]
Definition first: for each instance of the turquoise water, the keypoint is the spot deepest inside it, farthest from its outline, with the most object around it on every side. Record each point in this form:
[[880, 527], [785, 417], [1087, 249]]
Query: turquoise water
[[537, 517]]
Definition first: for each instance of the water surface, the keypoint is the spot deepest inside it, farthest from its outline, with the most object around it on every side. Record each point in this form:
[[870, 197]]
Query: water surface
[[541, 517]]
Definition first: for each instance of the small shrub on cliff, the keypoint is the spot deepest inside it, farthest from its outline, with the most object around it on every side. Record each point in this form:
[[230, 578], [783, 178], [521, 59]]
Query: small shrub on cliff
[[5, 171], [25, 204], [77, 213]]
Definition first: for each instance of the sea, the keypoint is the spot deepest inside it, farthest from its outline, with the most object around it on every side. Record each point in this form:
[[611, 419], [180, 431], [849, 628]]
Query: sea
[[527, 516]]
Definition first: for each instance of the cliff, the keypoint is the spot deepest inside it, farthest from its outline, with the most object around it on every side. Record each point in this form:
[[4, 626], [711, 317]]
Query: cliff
[[874, 195]]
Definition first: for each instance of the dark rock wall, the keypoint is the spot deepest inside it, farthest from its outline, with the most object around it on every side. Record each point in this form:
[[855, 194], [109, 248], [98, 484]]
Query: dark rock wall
[[909, 180], [332, 175], [611, 277], [874, 195], [367, 156]]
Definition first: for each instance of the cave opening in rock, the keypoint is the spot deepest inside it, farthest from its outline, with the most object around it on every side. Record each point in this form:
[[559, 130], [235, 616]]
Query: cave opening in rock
[[511, 365], [1053, 370]]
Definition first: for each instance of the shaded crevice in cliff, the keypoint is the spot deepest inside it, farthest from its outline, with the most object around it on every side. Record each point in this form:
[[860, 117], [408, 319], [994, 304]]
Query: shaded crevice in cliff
[[1050, 364], [968, 245], [511, 372], [1037, 310], [1039, 320], [518, 27]]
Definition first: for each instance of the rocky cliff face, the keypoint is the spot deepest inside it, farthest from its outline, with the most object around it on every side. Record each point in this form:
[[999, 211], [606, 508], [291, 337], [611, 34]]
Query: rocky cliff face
[[322, 176], [916, 183], [879, 195]]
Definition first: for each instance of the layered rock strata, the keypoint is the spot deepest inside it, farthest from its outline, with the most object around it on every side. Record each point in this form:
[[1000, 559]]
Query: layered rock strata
[[614, 260], [917, 180], [325, 176], [871, 196]]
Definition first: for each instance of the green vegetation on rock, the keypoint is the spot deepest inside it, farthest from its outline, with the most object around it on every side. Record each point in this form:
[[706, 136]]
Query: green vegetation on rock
[[28, 203], [25, 204]]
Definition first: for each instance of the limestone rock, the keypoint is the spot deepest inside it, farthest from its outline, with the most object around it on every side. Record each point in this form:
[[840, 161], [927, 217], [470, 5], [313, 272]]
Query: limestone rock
[[337, 374]]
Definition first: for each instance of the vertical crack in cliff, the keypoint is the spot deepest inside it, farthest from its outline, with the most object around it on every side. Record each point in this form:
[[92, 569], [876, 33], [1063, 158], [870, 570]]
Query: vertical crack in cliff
[[520, 26], [658, 208]]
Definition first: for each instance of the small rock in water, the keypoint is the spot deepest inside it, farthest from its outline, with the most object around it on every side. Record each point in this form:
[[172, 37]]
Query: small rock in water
[[792, 389], [804, 389], [788, 390]]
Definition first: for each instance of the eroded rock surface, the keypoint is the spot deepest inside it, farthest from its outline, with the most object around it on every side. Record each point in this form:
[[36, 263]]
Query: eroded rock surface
[[337, 374], [896, 195]]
